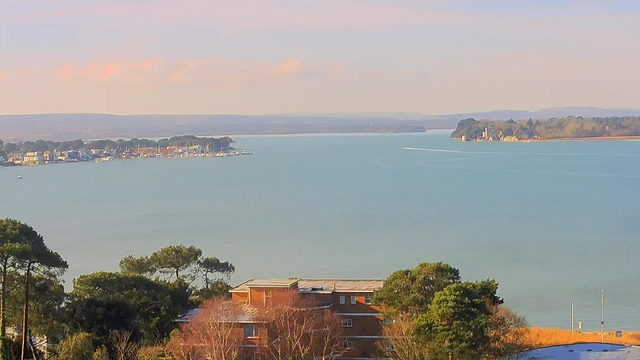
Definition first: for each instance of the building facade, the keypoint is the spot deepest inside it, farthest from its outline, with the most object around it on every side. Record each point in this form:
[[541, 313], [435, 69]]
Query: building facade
[[33, 158], [350, 299]]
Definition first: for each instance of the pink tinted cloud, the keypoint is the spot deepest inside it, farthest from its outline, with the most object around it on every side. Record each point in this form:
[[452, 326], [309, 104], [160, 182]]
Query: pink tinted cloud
[[65, 71], [289, 66], [337, 68], [90, 69], [145, 65], [110, 70], [186, 67]]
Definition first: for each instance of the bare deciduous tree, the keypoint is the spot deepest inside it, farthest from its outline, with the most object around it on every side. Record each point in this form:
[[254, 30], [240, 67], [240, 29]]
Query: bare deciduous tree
[[299, 329], [399, 340], [122, 346], [182, 347], [508, 333], [212, 334]]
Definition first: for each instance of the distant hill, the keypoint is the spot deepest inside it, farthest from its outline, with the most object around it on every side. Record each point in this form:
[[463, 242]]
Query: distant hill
[[94, 126], [542, 113]]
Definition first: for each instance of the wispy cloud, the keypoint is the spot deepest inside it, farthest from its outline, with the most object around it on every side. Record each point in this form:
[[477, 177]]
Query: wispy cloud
[[65, 70], [426, 55], [289, 66], [337, 68], [110, 70], [90, 69]]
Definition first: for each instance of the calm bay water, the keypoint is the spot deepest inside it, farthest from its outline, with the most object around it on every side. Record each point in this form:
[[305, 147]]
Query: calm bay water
[[553, 222]]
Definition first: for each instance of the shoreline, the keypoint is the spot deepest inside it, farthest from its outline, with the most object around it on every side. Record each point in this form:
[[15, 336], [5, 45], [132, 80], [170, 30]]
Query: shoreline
[[598, 138], [141, 157]]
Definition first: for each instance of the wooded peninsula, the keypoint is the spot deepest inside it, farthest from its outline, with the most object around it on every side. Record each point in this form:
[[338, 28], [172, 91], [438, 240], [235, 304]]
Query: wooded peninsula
[[570, 127]]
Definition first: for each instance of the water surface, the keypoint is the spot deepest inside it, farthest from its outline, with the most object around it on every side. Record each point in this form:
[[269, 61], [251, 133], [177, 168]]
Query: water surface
[[553, 222]]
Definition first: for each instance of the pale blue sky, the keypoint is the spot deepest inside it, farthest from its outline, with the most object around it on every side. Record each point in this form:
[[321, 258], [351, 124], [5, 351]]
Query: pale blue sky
[[261, 56]]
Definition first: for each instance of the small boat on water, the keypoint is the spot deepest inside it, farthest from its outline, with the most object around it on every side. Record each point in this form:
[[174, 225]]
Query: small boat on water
[[19, 177]]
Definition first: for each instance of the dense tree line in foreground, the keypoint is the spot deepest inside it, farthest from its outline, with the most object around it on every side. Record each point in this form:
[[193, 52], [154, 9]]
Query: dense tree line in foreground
[[429, 314], [555, 128], [433, 315], [107, 315], [215, 144], [131, 314]]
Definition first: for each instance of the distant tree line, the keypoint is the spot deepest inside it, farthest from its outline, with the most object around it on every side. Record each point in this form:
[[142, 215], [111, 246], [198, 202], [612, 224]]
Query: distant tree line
[[554, 128], [215, 144]]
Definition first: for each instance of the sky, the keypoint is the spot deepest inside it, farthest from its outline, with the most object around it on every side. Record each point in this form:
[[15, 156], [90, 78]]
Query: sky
[[311, 56]]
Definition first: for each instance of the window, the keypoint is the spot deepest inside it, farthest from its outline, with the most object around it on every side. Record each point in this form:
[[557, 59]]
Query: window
[[267, 298], [353, 300], [250, 331], [347, 322], [342, 300], [249, 353], [347, 344], [367, 300]]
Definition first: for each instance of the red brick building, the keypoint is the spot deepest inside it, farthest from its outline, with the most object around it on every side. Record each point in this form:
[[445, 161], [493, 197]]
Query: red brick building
[[350, 299]]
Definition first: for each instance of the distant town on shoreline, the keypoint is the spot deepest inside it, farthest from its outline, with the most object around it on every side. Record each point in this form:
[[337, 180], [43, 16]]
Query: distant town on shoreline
[[46, 152]]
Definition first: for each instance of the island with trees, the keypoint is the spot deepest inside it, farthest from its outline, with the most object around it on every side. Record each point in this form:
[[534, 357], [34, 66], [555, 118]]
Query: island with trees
[[570, 127]]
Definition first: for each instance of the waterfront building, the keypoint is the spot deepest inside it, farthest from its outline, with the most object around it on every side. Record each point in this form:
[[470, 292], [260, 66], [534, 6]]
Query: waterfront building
[[33, 157], [73, 155], [48, 156]]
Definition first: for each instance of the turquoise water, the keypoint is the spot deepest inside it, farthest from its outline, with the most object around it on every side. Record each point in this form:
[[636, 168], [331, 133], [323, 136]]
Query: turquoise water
[[553, 222]]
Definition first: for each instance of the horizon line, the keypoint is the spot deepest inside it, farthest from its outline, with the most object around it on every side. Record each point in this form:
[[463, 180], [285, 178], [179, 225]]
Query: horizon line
[[320, 113]]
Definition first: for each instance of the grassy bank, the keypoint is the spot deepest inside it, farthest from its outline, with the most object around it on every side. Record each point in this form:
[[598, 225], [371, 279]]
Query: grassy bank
[[539, 337]]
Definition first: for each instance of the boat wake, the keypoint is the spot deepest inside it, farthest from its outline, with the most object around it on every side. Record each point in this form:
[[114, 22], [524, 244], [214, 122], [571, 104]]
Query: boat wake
[[513, 153], [380, 163]]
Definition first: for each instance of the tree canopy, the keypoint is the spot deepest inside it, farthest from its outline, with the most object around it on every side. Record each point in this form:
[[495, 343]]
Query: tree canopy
[[214, 144], [411, 290], [137, 266], [23, 252], [212, 265], [155, 303], [175, 259], [457, 323], [433, 314]]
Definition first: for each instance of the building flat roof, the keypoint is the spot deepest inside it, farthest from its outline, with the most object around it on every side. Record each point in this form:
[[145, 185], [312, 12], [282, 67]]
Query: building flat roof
[[247, 314], [310, 285], [341, 284]]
